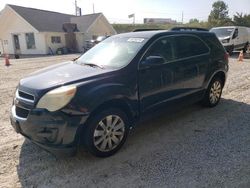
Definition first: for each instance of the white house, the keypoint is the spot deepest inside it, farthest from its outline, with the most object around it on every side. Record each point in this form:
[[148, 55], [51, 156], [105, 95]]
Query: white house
[[33, 31]]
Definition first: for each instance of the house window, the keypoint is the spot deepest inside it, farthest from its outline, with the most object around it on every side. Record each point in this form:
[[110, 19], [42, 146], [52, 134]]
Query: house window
[[30, 40], [56, 40]]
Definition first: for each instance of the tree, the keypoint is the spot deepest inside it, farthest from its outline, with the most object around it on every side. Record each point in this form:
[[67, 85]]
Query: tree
[[242, 20], [219, 14], [194, 21]]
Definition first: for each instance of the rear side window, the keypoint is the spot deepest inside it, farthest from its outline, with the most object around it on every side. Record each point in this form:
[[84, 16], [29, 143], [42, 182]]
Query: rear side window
[[214, 44], [188, 46]]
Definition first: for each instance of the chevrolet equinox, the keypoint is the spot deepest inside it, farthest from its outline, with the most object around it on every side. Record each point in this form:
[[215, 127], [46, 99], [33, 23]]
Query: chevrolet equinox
[[96, 99]]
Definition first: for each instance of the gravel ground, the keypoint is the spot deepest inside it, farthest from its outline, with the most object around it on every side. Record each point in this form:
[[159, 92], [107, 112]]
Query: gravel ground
[[196, 147]]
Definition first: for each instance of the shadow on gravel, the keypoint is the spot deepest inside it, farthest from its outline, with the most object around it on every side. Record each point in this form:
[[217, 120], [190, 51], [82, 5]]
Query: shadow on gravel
[[196, 146]]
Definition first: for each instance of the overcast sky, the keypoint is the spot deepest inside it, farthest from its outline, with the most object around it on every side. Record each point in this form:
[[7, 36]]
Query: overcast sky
[[117, 11]]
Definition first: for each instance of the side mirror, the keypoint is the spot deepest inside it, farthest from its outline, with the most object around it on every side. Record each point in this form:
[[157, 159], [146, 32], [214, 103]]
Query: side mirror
[[153, 61]]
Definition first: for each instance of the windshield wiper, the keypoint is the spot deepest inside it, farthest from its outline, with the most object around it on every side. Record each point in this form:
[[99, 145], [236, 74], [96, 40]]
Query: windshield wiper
[[93, 65]]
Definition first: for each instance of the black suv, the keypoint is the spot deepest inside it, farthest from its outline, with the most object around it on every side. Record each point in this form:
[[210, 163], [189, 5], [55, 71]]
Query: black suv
[[98, 98]]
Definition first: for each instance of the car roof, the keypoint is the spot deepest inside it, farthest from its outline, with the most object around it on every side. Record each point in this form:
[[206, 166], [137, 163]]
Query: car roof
[[154, 33], [227, 27], [141, 34]]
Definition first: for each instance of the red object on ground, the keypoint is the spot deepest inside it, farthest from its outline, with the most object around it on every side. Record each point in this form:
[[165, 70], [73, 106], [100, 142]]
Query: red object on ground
[[7, 61]]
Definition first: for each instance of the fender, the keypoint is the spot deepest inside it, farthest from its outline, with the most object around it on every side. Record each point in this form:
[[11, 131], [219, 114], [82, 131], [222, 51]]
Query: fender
[[102, 93], [212, 76]]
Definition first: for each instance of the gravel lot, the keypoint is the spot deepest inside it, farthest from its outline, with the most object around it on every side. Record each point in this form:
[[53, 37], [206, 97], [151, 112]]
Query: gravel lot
[[196, 147]]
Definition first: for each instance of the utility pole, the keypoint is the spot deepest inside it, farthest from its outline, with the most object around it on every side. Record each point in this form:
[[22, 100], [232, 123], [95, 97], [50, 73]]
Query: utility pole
[[93, 8], [182, 17], [76, 7]]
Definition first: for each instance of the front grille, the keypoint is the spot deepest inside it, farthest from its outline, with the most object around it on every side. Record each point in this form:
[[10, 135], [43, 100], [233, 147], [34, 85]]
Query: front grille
[[21, 112], [26, 95]]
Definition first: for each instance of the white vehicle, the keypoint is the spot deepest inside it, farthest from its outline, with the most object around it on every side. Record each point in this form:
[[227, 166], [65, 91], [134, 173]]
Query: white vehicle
[[233, 37]]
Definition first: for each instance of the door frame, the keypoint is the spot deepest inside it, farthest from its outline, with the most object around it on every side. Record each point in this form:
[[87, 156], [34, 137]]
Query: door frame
[[16, 51]]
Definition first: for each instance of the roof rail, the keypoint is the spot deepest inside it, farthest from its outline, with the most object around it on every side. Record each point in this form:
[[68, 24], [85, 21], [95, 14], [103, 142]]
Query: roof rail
[[138, 30], [188, 29]]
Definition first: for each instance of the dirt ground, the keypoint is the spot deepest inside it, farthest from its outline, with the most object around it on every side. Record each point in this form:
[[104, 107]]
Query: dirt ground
[[195, 147]]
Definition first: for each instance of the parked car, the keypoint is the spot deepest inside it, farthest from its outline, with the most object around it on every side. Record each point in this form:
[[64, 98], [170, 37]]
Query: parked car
[[91, 43], [233, 37], [98, 98]]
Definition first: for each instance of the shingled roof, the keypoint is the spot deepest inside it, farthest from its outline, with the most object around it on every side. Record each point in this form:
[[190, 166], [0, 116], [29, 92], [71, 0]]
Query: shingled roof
[[49, 21], [84, 22]]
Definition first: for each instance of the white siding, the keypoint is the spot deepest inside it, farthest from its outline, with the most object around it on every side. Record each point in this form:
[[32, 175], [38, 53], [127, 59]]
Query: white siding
[[101, 27], [54, 46], [80, 37], [11, 23]]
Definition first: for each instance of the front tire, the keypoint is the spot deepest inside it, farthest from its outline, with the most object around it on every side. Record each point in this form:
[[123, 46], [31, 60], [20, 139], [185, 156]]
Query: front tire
[[213, 93], [231, 50], [106, 132]]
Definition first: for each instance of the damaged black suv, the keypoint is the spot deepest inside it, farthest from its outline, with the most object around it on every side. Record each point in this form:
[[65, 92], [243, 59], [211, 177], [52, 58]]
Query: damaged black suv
[[98, 98]]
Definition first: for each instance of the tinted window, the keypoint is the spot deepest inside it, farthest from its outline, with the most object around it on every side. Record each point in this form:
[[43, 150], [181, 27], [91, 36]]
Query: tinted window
[[222, 32], [236, 33], [163, 48], [187, 46], [214, 44]]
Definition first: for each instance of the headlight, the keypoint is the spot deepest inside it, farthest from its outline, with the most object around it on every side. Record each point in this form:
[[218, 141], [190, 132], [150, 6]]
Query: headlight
[[57, 98]]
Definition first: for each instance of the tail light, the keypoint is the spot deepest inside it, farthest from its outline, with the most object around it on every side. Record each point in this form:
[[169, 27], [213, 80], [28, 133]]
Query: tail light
[[226, 56]]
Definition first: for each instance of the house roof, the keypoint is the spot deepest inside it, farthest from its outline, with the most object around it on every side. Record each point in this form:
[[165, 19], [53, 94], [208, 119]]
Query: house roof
[[44, 20], [84, 22]]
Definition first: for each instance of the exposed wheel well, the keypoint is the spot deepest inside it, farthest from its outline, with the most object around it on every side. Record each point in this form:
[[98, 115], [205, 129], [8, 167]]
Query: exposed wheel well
[[116, 103]]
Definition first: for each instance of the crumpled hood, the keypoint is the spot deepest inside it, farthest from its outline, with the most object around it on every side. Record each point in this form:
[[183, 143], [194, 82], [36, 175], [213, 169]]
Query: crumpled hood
[[60, 74]]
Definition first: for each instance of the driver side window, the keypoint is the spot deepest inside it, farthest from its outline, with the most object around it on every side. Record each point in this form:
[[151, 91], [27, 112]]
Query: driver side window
[[236, 33], [162, 48]]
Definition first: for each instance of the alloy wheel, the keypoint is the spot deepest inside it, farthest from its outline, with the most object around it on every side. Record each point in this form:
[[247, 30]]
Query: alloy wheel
[[109, 133], [215, 92]]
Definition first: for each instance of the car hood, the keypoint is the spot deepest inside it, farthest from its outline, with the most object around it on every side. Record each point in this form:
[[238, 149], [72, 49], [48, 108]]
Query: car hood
[[60, 74], [223, 38]]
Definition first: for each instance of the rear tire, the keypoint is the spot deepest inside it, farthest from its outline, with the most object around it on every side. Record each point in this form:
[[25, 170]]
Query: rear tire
[[106, 132], [231, 50], [245, 48], [213, 93]]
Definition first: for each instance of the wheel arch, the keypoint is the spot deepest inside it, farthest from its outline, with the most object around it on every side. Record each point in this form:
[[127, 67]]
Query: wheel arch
[[221, 74], [121, 104]]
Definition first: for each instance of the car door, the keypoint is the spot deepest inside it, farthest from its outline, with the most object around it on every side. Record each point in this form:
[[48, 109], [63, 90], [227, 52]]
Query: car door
[[183, 72], [191, 62], [236, 39], [156, 81]]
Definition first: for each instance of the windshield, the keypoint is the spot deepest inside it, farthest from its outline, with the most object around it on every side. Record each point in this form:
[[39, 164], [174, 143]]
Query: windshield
[[222, 32], [114, 52]]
